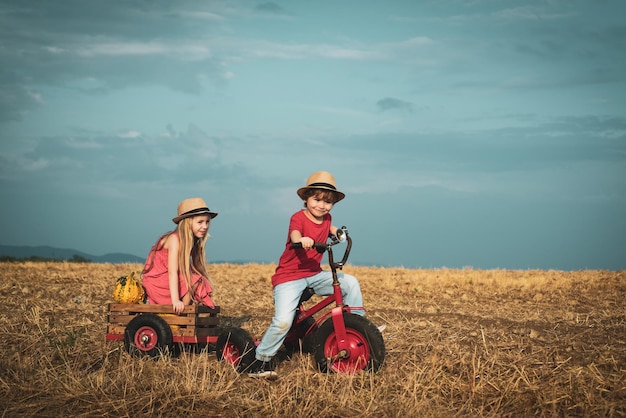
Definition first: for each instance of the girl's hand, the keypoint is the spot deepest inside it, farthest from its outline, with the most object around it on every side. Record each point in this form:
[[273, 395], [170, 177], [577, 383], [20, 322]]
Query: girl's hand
[[307, 243], [179, 306]]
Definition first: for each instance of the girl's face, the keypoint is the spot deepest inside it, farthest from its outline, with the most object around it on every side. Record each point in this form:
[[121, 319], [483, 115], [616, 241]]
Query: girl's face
[[200, 225], [318, 206]]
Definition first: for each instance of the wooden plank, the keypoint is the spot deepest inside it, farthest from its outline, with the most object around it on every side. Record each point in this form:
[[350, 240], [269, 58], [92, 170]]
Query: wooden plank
[[206, 309], [141, 307], [208, 332], [207, 321], [119, 323], [183, 332], [115, 329], [120, 319], [172, 319]]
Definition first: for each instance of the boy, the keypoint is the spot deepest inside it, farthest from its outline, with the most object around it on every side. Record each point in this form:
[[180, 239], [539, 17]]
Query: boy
[[300, 268]]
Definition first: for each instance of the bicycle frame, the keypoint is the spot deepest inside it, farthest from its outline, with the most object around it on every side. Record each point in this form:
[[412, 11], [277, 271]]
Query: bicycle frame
[[336, 313]]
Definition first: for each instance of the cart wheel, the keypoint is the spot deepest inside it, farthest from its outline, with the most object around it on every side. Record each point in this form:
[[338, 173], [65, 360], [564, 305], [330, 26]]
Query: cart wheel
[[235, 347], [297, 335], [366, 347], [148, 335]]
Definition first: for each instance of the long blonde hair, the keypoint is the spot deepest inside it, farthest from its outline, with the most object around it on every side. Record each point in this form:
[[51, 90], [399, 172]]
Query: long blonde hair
[[191, 254]]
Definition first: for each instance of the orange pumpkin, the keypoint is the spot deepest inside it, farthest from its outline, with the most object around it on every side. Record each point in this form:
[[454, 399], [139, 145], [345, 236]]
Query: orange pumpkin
[[128, 290]]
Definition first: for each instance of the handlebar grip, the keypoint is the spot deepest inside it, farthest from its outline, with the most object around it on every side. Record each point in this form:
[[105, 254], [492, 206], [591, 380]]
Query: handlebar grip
[[319, 246]]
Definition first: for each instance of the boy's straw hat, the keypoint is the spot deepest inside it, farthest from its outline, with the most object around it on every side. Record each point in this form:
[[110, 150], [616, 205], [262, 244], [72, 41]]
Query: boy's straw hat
[[321, 180], [193, 207]]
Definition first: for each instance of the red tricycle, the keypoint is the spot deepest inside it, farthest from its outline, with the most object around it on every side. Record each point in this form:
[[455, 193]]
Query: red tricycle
[[340, 341]]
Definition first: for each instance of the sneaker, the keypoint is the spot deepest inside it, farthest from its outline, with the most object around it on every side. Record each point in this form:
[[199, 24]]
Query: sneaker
[[382, 327], [262, 369]]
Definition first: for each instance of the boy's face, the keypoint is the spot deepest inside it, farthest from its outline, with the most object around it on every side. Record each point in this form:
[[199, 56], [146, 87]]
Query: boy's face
[[200, 225], [319, 205]]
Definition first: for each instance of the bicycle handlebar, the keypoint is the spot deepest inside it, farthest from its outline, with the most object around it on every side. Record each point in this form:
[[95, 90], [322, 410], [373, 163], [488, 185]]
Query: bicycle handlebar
[[342, 235]]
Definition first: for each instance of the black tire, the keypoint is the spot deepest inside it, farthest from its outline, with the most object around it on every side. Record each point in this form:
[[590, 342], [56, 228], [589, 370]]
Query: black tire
[[148, 335], [366, 346], [236, 347], [297, 338]]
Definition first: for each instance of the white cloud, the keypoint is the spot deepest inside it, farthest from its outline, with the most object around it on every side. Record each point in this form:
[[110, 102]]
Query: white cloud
[[38, 164], [528, 13], [37, 97], [189, 51], [201, 15], [129, 134], [418, 40], [76, 143]]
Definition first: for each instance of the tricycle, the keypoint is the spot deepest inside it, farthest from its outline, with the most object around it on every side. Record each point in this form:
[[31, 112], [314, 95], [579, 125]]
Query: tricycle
[[340, 340]]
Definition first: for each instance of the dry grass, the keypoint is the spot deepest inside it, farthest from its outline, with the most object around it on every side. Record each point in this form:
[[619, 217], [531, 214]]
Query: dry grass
[[459, 343]]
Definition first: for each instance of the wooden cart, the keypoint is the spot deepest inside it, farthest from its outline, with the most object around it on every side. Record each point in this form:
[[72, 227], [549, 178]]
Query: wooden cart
[[155, 330], [196, 324]]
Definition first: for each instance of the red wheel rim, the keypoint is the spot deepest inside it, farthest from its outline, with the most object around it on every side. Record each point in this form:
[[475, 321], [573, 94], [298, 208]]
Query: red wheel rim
[[358, 353], [230, 354], [146, 338]]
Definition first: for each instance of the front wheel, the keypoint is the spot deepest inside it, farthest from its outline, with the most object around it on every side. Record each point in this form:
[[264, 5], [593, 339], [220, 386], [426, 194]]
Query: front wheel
[[235, 347], [365, 346]]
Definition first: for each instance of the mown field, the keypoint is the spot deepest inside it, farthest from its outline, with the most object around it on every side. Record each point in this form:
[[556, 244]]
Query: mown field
[[473, 343]]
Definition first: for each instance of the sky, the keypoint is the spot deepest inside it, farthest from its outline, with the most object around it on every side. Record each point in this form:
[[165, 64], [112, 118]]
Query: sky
[[485, 134]]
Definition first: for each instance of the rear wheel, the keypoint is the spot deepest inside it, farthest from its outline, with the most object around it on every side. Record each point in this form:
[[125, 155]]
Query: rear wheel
[[148, 335], [235, 347], [365, 346]]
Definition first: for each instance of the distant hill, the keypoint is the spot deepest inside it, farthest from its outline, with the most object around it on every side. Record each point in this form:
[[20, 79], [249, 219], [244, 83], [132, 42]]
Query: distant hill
[[23, 252]]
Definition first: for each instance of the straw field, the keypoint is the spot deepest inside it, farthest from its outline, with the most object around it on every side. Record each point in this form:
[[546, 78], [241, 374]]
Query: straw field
[[479, 343]]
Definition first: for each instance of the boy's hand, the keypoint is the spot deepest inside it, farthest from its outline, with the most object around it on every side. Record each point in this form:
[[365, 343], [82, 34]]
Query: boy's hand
[[307, 243]]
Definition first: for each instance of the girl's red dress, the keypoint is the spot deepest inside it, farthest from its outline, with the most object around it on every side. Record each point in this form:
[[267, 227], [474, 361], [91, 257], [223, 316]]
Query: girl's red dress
[[156, 282]]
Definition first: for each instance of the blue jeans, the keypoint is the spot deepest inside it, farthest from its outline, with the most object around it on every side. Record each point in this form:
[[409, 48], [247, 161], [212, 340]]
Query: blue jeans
[[286, 298]]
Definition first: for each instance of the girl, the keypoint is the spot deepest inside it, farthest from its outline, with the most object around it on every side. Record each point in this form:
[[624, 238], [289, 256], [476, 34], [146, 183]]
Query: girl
[[175, 270]]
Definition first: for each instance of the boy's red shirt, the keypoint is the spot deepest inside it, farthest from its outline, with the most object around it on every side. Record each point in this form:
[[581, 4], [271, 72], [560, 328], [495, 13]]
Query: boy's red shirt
[[297, 263]]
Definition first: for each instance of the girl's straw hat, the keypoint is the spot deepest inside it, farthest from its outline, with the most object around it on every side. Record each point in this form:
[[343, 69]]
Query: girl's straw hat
[[192, 207], [321, 180]]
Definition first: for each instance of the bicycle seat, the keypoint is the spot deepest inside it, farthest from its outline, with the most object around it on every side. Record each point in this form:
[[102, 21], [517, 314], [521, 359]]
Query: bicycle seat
[[306, 295]]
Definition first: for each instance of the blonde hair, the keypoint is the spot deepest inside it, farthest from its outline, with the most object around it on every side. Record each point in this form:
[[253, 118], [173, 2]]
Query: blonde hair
[[191, 254]]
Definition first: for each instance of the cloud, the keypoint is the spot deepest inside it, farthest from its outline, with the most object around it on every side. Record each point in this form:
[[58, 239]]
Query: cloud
[[528, 13], [129, 134], [115, 44], [118, 45], [129, 158], [251, 49], [272, 8], [16, 100], [390, 103], [542, 158]]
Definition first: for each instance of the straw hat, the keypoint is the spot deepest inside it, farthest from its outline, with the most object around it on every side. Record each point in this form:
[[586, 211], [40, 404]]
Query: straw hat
[[321, 180], [192, 207]]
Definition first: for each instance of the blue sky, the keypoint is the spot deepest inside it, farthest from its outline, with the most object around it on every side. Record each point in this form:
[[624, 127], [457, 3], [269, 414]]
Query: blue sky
[[485, 134]]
